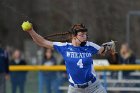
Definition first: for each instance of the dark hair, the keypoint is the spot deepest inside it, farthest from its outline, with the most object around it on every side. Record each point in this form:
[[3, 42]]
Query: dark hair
[[66, 36], [78, 28], [61, 37]]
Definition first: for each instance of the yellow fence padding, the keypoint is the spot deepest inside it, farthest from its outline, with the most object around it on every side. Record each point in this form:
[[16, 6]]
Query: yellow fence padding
[[63, 68]]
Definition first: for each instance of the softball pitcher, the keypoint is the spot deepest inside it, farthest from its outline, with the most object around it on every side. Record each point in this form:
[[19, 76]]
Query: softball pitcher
[[78, 58]]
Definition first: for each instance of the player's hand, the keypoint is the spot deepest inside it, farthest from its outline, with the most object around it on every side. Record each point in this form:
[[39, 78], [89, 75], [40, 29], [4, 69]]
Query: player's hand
[[7, 76], [109, 46], [26, 26]]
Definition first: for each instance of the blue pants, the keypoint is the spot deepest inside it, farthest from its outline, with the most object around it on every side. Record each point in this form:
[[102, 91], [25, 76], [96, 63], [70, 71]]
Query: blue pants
[[49, 80], [18, 80], [19, 84], [2, 83]]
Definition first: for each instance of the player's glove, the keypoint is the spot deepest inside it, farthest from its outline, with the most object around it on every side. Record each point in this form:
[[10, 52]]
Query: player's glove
[[108, 46], [26, 26]]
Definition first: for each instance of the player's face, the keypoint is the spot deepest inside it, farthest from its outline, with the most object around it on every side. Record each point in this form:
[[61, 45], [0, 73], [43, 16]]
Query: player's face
[[82, 36], [48, 53]]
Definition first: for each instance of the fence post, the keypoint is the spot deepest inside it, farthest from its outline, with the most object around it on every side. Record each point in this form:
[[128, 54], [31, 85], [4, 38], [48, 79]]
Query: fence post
[[40, 81], [105, 79]]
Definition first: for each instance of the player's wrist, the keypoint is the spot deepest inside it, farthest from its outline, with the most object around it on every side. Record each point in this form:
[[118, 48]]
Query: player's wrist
[[30, 30]]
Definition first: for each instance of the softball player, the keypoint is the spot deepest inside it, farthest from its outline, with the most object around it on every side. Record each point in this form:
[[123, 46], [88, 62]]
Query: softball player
[[78, 58]]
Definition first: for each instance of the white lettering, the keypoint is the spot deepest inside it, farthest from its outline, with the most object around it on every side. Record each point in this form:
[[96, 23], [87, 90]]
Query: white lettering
[[68, 54], [78, 55]]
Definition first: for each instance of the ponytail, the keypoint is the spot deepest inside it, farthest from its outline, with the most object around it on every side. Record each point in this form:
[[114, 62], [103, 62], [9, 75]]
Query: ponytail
[[60, 37]]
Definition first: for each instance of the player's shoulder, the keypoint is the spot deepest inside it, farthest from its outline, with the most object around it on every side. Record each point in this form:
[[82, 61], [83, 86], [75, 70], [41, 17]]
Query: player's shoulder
[[92, 44], [61, 43]]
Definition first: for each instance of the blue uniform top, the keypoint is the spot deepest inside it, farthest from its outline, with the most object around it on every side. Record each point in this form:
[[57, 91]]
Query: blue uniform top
[[78, 60]]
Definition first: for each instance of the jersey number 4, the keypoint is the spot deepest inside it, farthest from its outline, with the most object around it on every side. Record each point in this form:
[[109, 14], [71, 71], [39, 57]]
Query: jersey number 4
[[80, 64]]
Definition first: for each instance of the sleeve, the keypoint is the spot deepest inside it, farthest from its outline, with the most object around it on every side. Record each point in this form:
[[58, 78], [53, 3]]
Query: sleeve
[[58, 46], [94, 47], [6, 63]]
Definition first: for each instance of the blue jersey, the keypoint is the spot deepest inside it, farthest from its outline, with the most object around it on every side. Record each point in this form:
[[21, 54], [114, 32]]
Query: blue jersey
[[78, 60]]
